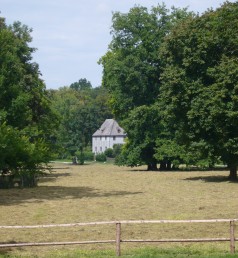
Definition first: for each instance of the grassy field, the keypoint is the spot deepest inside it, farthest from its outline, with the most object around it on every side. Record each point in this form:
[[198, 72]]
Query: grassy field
[[101, 192]]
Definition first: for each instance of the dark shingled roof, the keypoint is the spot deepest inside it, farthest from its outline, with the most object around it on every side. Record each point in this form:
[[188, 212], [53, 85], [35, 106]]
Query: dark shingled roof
[[110, 128]]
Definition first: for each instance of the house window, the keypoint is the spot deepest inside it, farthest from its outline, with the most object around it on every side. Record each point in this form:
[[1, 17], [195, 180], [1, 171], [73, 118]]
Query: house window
[[114, 138], [101, 149]]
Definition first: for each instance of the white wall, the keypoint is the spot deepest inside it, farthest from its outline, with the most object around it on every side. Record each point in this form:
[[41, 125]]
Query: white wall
[[101, 143]]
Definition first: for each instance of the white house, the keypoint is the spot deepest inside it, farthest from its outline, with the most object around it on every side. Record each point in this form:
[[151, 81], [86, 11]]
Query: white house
[[107, 135]]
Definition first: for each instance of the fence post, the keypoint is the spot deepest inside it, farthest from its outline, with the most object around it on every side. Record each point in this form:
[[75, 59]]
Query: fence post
[[232, 236], [118, 239]]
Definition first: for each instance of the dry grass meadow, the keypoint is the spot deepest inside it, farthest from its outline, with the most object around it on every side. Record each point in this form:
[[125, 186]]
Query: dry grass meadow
[[102, 192]]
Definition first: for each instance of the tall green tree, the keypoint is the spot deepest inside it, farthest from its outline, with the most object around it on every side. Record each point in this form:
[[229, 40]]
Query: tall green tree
[[131, 68], [82, 84], [199, 84], [24, 106], [23, 99]]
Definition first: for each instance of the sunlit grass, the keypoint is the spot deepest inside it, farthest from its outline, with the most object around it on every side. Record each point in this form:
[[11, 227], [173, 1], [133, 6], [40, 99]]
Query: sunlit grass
[[99, 192]]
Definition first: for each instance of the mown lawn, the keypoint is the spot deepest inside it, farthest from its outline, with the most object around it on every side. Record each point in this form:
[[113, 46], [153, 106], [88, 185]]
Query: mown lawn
[[99, 192]]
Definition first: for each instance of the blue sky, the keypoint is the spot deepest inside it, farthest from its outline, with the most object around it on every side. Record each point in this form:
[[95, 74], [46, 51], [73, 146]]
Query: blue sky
[[71, 35]]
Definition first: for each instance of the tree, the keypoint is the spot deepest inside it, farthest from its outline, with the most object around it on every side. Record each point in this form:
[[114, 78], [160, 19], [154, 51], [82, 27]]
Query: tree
[[131, 73], [82, 84], [24, 106], [142, 124], [21, 157], [65, 102], [22, 92], [198, 95], [170, 154]]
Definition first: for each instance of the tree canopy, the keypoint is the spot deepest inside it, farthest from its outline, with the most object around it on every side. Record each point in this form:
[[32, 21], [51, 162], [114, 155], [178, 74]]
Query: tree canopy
[[198, 95], [132, 68], [184, 67], [26, 118], [82, 84], [142, 124]]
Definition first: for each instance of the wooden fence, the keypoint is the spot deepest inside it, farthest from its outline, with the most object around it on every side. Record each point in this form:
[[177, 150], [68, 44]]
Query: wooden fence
[[118, 240]]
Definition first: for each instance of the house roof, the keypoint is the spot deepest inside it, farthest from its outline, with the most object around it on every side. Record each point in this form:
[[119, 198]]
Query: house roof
[[110, 127]]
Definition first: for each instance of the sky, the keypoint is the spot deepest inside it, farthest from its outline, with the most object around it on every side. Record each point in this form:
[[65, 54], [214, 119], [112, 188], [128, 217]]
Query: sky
[[72, 35]]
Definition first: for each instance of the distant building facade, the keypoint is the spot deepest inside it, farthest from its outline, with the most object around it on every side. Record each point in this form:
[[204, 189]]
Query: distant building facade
[[107, 135]]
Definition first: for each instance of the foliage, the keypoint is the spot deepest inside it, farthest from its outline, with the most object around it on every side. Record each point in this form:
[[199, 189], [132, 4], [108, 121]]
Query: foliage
[[88, 155], [21, 157], [101, 157], [113, 152], [131, 73], [79, 154], [199, 84], [169, 152], [23, 100], [81, 113], [109, 153], [27, 122], [142, 126], [82, 84], [131, 66], [117, 150]]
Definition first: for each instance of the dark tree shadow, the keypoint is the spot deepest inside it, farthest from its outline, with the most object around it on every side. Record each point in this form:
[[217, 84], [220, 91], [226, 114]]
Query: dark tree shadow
[[42, 193], [57, 168], [136, 169], [211, 179], [185, 169], [139, 170], [6, 250], [51, 177]]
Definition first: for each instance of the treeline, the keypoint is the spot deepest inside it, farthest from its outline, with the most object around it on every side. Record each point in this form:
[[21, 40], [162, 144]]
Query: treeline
[[81, 110], [173, 82]]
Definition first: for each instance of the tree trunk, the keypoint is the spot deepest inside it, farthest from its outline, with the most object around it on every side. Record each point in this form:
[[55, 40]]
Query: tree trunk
[[152, 166], [169, 165], [233, 173], [162, 165]]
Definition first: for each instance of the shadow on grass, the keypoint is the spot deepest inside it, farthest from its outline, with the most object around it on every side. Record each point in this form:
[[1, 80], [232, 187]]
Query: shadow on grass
[[177, 170], [140, 170], [44, 193], [52, 177], [211, 179]]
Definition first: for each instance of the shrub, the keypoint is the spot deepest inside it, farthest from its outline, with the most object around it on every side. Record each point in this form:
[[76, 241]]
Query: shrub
[[21, 157], [88, 155], [101, 157], [117, 150], [79, 158], [109, 153]]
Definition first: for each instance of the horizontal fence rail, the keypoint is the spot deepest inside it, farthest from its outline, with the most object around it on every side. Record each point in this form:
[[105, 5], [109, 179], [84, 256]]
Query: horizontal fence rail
[[118, 240]]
